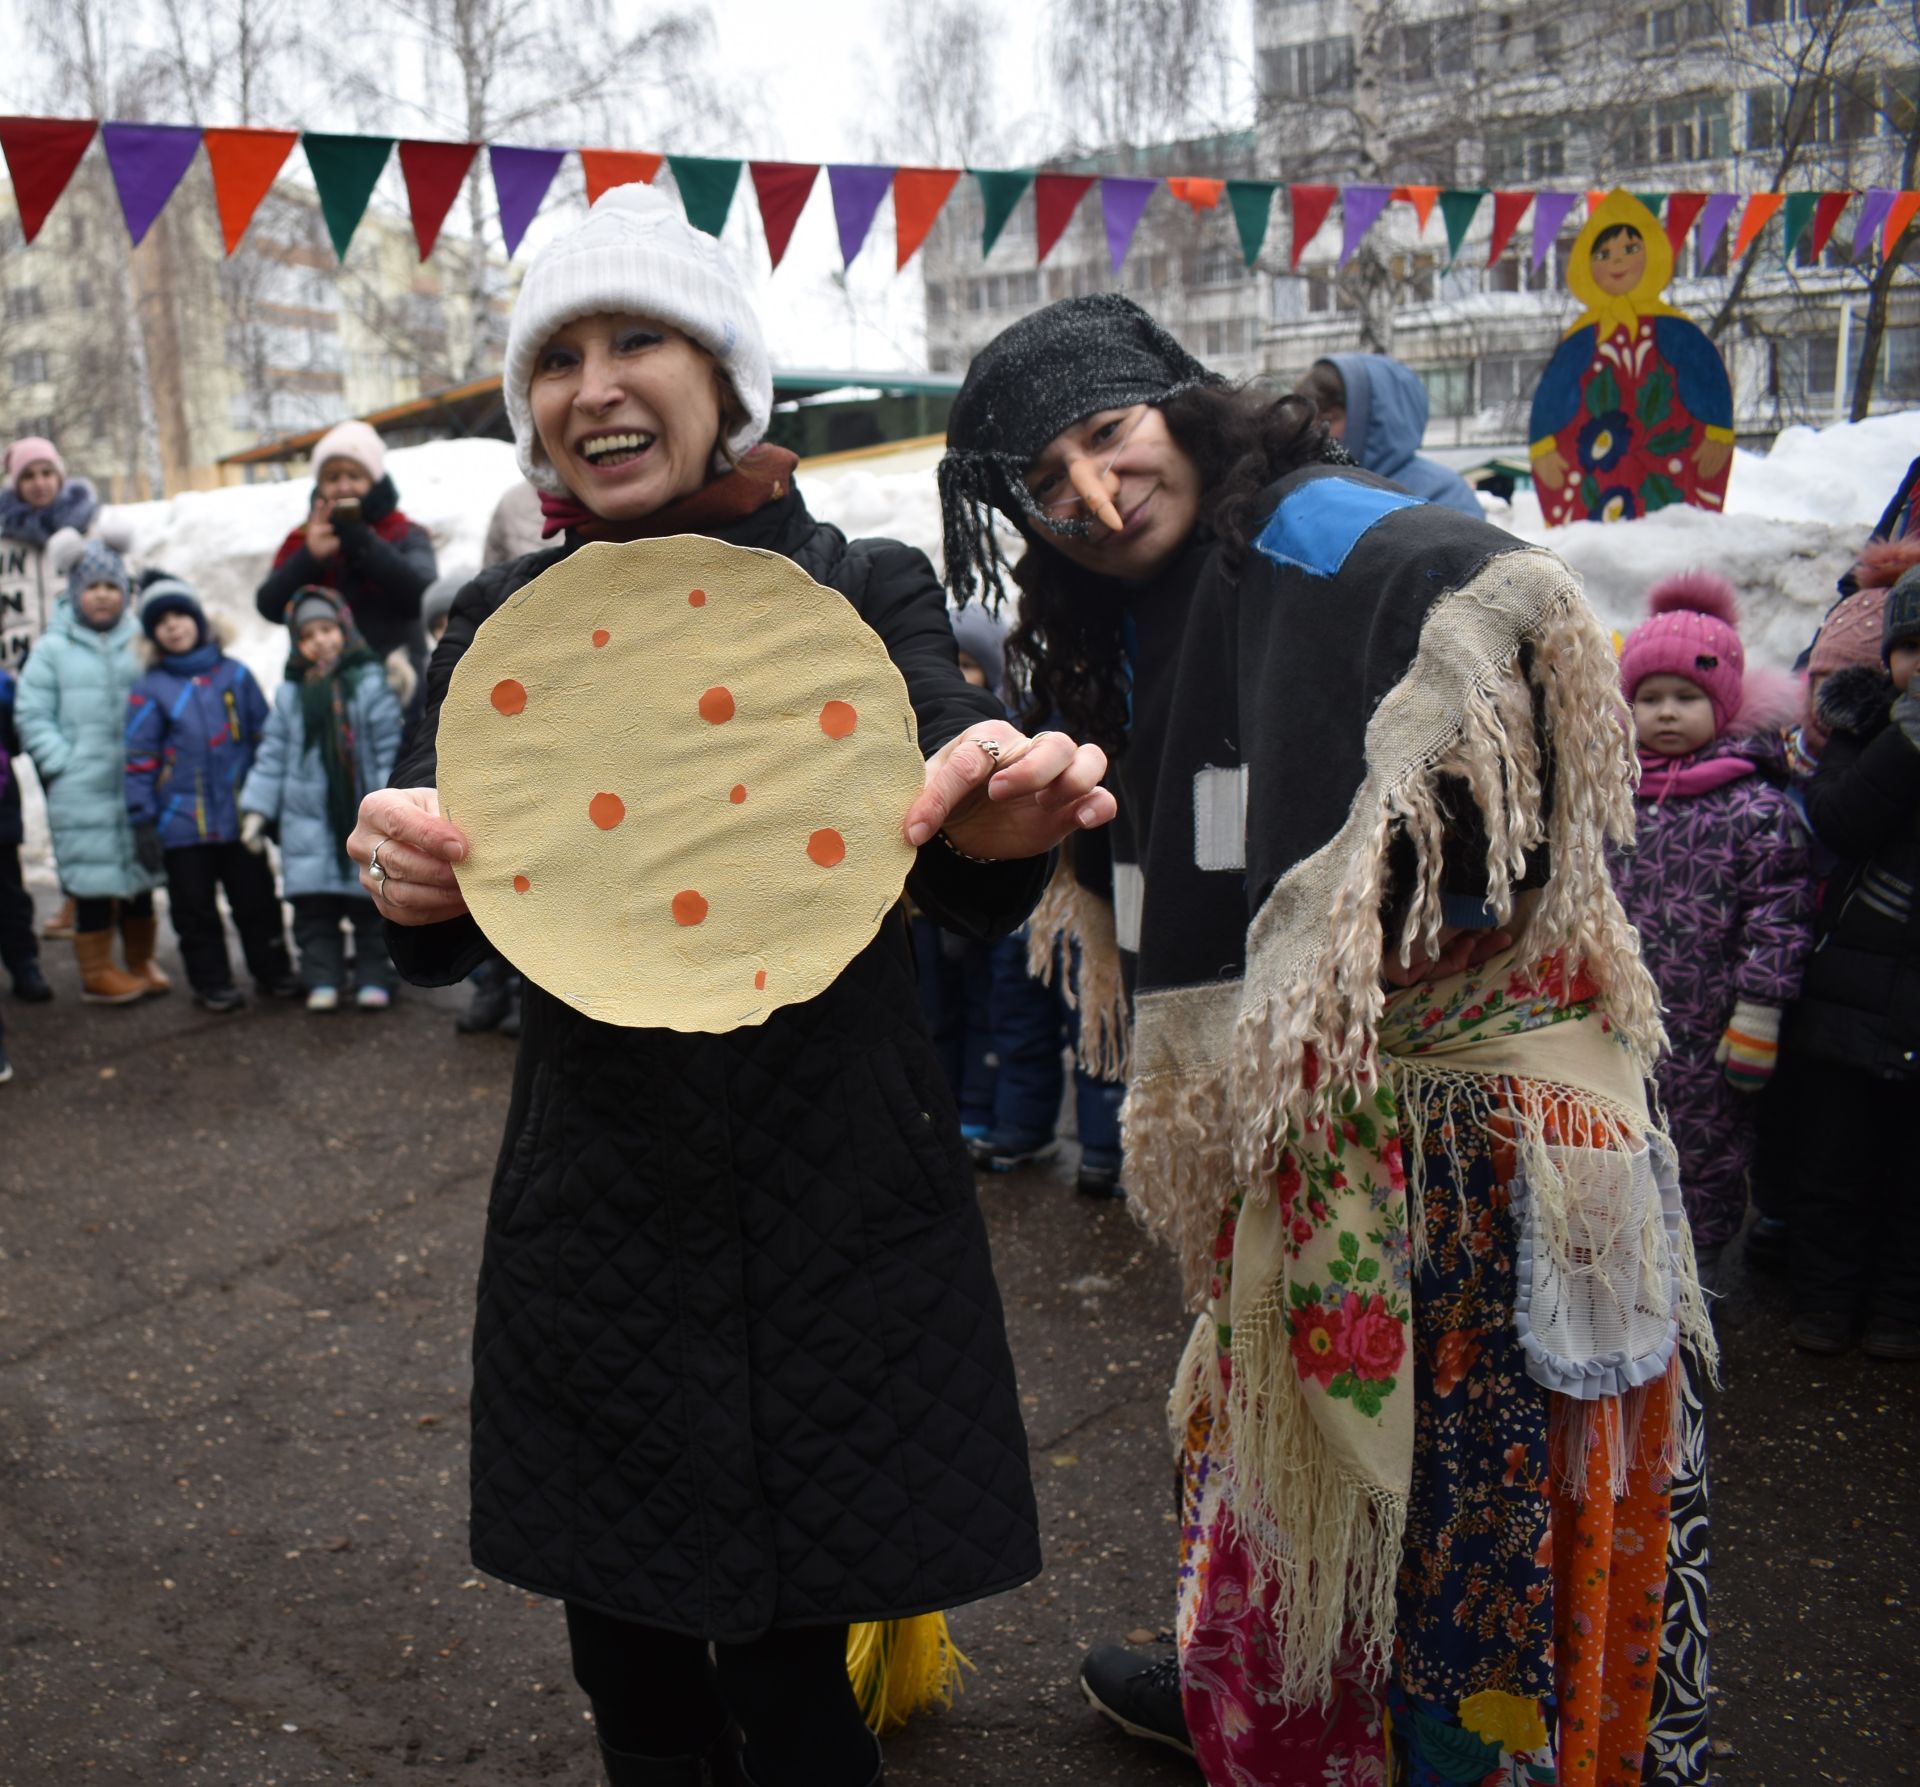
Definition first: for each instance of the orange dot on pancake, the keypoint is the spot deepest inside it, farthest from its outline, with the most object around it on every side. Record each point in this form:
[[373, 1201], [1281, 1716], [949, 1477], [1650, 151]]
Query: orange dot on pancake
[[737, 793], [696, 598], [600, 637], [827, 847], [509, 696], [521, 884], [688, 907], [716, 706], [606, 810], [760, 981], [837, 719]]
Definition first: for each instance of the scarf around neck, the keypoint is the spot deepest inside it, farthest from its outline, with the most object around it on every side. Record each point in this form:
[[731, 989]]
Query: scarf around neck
[[764, 475], [1682, 778], [74, 505]]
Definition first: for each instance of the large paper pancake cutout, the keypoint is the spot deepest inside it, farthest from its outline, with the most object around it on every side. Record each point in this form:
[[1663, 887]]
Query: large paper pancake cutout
[[682, 769]]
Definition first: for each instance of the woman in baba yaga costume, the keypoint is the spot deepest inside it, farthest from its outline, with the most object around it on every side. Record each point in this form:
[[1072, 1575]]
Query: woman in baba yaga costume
[[1634, 410], [1388, 1068]]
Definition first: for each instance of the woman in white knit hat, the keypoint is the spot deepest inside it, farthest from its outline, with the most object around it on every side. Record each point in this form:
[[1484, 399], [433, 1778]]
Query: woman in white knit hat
[[741, 1376], [357, 540]]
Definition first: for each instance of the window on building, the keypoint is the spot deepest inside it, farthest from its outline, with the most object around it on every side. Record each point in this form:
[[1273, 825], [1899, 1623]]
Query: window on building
[[936, 298], [1449, 388], [1668, 27], [1509, 379], [1306, 70], [1691, 129], [939, 359], [24, 301], [1212, 267], [29, 367], [1226, 335], [1900, 370], [976, 294], [1766, 118], [1289, 298], [1453, 44], [83, 294], [76, 230], [1546, 45], [1538, 153]]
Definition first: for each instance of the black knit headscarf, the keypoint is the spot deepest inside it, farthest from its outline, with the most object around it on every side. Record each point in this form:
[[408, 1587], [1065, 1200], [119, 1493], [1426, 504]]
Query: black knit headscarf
[[1032, 382]]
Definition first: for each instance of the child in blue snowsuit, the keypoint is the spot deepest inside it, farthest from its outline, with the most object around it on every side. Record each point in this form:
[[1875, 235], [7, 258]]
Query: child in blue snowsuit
[[194, 722]]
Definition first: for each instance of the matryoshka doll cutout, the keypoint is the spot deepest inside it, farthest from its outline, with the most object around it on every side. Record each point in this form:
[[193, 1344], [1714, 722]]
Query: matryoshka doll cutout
[[1634, 411], [682, 769]]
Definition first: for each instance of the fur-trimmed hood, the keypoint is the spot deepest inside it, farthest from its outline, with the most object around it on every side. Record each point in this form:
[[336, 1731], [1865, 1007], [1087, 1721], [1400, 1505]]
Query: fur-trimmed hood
[[1858, 700]]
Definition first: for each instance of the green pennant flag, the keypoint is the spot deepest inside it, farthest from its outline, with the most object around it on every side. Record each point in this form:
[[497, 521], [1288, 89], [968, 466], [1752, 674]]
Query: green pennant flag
[[1457, 206], [1000, 190], [345, 169], [1799, 213], [1652, 200], [706, 189], [1252, 202]]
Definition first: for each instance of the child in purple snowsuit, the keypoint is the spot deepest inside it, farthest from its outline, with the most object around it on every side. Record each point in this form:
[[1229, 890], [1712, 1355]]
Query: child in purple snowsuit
[[1717, 884]]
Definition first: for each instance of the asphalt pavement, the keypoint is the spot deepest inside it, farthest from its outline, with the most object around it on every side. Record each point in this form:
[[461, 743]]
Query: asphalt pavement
[[236, 1272]]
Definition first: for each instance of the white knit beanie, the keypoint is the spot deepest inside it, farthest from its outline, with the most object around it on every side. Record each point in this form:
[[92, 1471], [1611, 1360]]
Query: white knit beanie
[[635, 254], [355, 441]]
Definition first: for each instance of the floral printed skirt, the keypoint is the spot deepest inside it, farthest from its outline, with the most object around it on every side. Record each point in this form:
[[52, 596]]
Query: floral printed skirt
[[1529, 1618]]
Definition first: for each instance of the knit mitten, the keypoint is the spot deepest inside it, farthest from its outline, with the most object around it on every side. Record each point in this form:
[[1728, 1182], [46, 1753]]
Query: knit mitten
[[1750, 1046]]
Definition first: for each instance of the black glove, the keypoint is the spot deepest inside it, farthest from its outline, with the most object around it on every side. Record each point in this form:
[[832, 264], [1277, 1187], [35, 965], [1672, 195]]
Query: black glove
[[146, 846]]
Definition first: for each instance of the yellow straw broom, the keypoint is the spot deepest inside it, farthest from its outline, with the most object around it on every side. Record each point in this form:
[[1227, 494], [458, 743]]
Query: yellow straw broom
[[899, 1667]]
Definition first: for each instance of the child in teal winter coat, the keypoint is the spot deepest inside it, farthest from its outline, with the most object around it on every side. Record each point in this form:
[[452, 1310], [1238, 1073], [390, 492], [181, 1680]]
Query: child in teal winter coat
[[332, 738], [194, 722], [71, 717]]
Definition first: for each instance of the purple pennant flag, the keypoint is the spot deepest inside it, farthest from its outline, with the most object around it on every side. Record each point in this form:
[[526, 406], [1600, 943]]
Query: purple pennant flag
[[1715, 215], [1873, 216], [520, 181], [1549, 213], [148, 162], [1121, 202], [1360, 208], [858, 189]]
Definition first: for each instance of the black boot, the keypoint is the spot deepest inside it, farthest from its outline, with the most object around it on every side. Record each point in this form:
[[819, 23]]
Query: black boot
[[510, 1024], [624, 1770], [29, 984], [490, 1000], [873, 1780]]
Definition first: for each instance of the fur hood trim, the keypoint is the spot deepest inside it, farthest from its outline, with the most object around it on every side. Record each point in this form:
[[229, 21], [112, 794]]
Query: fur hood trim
[[1857, 700]]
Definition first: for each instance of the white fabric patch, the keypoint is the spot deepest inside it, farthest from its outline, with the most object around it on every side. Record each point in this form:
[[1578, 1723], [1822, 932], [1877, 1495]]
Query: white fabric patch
[[1129, 895], [1220, 818]]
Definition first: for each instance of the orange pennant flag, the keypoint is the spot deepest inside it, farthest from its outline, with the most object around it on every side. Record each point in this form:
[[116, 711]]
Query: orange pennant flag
[[918, 194], [1759, 212], [1595, 199], [245, 165], [1201, 194], [1901, 214], [606, 168], [1421, 198]]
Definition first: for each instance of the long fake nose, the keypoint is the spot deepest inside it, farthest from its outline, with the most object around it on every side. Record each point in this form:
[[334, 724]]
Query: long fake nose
[[1097, 489]]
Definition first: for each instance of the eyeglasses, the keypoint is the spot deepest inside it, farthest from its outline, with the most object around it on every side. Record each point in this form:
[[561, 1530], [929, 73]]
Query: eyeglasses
[[1067, 508]]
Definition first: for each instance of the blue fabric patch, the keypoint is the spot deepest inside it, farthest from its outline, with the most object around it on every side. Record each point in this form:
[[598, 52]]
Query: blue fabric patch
[[1316, 526]]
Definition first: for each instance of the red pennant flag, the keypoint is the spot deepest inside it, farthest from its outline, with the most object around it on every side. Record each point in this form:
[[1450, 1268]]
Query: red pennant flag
[[433, 173], [606, 168], [1202, 195], [918, 194], [1055, 198], [1309, 205], [1759, 211], [1825, 215], [41, 156], [782, 188], [1594, 201], [1899, 216], [1508, 209], [1421, 198], [245, 164], [1683, 208]]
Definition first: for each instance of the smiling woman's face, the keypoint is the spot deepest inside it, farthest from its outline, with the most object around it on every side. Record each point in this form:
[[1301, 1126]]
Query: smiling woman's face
[[628, 413], [1147, 476]]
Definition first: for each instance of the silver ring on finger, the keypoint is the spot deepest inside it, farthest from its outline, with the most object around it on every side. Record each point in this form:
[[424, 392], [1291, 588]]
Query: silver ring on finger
[[991, 746], [375, 873]]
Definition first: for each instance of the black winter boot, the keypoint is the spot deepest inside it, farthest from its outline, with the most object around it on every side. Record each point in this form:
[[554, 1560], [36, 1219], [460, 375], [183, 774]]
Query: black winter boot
[[875, 1779], [624, 1770], [491, 998], [29, 984]]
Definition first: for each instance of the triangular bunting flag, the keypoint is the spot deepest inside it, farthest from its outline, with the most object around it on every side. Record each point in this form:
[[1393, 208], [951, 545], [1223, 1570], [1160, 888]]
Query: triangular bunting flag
[[41, 156], [1309, 206], [918, 194], [245, 164], [608, 168], [1121, 202], [1682, 209], [1798, 215], [1508, 209], [1899, 217], [783, 188], [1715, 215], [1549, 213], [1000, 190], [1759, 211], [706, 189], [1826, 215], [345, 169], [858, 189], [1457, 208], [148, 162], [1596, 197], [1202, 195], [1251, 202], [1421, 198], [520, 181], [1360, 208], [1873, 213], [1055, 199], [433, 172], [1652, 200]]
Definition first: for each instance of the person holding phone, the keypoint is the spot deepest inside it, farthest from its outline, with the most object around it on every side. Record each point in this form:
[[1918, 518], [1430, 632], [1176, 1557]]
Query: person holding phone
[[358, 542]]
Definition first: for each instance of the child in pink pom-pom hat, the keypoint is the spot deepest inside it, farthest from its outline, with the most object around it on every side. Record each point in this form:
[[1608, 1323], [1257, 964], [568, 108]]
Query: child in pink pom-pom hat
[[1717, 883]]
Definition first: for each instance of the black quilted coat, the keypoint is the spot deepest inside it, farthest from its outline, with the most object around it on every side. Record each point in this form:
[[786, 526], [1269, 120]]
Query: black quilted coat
[[739, 1359]]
